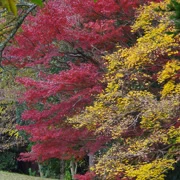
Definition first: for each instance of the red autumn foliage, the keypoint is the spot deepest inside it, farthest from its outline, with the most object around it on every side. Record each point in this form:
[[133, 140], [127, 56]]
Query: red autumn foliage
[[87, 176], [88, 27], [64, 94]]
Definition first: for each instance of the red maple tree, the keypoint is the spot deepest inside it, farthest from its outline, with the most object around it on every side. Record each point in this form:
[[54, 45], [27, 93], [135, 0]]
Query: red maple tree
[[89, 28], [61, 95]]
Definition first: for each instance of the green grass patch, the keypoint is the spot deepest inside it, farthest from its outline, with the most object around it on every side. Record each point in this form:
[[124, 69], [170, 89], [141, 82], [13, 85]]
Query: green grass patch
[[15, 176]]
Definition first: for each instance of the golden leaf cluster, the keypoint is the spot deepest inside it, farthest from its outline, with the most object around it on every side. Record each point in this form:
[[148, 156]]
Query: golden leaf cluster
[[140, 107]]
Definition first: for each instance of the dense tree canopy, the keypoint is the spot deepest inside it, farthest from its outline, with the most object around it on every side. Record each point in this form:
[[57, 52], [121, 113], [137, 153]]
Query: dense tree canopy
[[104, 81], [79, 35], [139, 109]]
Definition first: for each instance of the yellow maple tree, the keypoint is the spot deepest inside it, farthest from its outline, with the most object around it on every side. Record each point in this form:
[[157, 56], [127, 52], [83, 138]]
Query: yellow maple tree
[[140, 107]]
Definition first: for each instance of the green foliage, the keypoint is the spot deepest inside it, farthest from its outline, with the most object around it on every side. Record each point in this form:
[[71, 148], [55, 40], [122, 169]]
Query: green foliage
[[38, 2], [173, 174], [11, 5], [50, 168], [8, 161], [31, 172], [9, 110], [68, 175], [174, 6]]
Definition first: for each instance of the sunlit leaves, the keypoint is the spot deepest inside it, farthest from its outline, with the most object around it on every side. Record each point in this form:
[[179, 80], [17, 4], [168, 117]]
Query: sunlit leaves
[[139, 109], [38, 2], [10, 5], [153, 169], [135, 117], [170, 75]]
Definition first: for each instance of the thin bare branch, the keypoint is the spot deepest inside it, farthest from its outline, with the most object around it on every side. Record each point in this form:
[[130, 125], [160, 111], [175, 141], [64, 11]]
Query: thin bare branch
[[17, 26]]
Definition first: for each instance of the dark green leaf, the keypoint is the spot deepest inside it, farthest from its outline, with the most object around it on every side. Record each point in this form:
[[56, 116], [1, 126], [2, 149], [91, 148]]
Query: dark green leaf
[[38, 2]]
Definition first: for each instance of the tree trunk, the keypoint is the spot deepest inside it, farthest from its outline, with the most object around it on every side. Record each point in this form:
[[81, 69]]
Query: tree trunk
[[91, 160], [62, 170], [73, 167], [40, 170]]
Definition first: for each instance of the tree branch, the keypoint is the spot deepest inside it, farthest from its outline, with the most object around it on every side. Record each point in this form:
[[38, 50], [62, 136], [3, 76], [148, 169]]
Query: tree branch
[[17, 26]]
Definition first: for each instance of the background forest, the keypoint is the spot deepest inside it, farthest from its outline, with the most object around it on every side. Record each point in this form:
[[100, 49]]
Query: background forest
[[89, 90]]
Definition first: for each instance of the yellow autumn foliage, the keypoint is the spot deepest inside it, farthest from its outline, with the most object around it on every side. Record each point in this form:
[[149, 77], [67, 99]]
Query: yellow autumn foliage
[[140, 107], [9, 135], [151, 170]]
